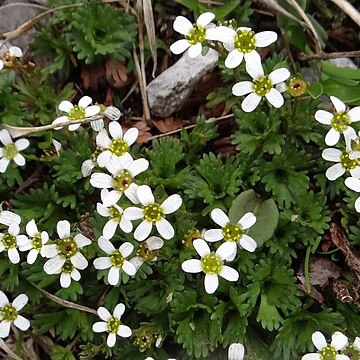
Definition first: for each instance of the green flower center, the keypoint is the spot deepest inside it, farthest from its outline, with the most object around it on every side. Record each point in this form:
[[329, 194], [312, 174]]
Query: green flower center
[[9, 313], [36, 242], [118, 147], [113, 325], [352, 353], [232, 232], [67, 247], [153, 212], [196, 35], [191, 235], [328, 353], [76, 113], [296, 86], [122, 181], [117, 259], [245, 41], [262, 85], [10, 151], [340, 121], [9, 241], [68, 267], [115, 214], [347, 163], [211, 264]]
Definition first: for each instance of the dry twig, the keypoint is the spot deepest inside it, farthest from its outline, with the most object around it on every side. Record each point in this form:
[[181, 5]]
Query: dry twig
[[348, 9]]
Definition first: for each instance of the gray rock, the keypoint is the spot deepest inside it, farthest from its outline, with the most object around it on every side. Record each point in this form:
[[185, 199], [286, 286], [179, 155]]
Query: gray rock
[[172, 87], [14, 16], [343, 62]]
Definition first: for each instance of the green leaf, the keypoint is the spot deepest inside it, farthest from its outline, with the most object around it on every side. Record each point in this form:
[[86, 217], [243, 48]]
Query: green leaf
[[315, 90], [319, 29], [348, 94], [60, 353], [222, 12], [339, 72]]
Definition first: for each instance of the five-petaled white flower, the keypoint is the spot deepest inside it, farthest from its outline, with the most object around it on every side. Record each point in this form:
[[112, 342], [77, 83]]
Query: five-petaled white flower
[[67, 273], [343, 163], [115, 214], [340, 121], [35, 243], [116, 260], [118, 146], [112, 324], [243, 44], [10, 56], [236, 351], [153, 214], [197, 33], [232, 233], [330, 352], [354, 184], [262, 85], [77, 112], [11, 150], [146, 251], [9, 313], [212, 264], [66, 248], [10, 240], [123, 170]]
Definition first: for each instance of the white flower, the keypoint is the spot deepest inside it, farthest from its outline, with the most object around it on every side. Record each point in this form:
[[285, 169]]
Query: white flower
[[7, 218], [76, 112], [87, 166], [9, 313], [197, 33], [123, 170], [35, 243], [116, 261], [68, 271], [11, 150], [10, 240], [262, 85], [232, 233], [10, 55], [146, 251], [243, 44], [212, 264], [66, 248], [112, 324], [354, 184], [153, 214], [343, 163], [115, 214], [338, 342], [118, 146], [236, 351], [340, 121]]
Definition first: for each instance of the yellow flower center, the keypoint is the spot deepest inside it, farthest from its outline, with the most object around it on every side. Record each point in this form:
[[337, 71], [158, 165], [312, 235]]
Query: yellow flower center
[[76, 113], [122, 181], [117, 260], [245, 41], [232, 232], [113, 325], [352, 353], [328, 353], [67, 247], [9, 313], [153, 212], [296, 86], [196, 35], [118, 147], [262, 85], [340, 121], [115, 214], [347, 163], [211, 264], [191, 235], [9, 241], [68, 267], [10, 151]]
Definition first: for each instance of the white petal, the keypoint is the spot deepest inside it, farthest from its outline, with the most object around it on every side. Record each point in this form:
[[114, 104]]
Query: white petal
[[131, 193], [229, 273], [255, 70], [106, 245], [354, 114], [22, 323], [233, 60], [63, 229], [126, 225], [338, 104], [356, 343], [265, 38], [334, 172], [133, 213], [81, 240], [324, 117], [279, 75], [102, 263], [53, 265], [31, 228], [143, 230], [154, 243], [165, 229], [131, 135], [138, 166], [14, 229], [339, 341], [205, 19], [66, 106], [219, 217], [192, 266], [15, 51], [99, 326], [201, 247], [349, 134], [3, 299], [220, 33], [182, 25], [1, 64], [13, 255], [103, 313], [60, 120], [252, 57], [179, 46], [110, 228], [357, 204], [312, 356], [92, 110], [113, 276], [101, 181], [226, 249], [97, 125], [32, 256], [7, 218], [248, 243], [103, 210], [22, 144], [115, 130], [236, 352], [75, 275], [4, 329], [129, 268], [111, 340], [19, 160], [65, 280], [79, 261], [275, 98], [332, 137], [103, 140], [112, 198], [242, 88], [119, 310], [342, 357], [5, 137], [353, 184], [171, 204], [85, 101], [247, 221], [250, 102], [20, 301], [331, 154], [4, 162], [211, 283], [213, 235], [318, 340], [145, 195], [195, 50], [124, 331], [126, 249], [86, 167]]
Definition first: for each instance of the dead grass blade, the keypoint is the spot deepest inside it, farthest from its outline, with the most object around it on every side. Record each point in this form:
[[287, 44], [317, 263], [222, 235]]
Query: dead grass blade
[[9, 351], [150, 30]]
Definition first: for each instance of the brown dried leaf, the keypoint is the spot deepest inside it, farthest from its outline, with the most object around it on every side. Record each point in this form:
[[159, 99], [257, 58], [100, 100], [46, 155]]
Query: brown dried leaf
[[168, 124], [93, 76], [116, 74], [144, 134]]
